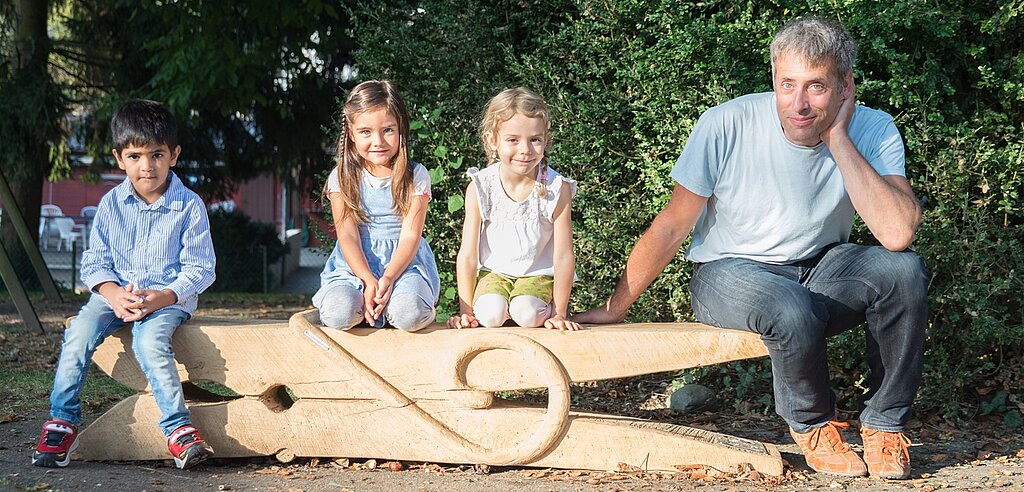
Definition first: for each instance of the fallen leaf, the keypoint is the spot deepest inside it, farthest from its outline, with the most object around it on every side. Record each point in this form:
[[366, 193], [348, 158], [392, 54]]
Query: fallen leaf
[[628, 468], [342, 462], [40, 486], [394, 466], [370, 464], [314, 462], [265, 471], [8, 418]]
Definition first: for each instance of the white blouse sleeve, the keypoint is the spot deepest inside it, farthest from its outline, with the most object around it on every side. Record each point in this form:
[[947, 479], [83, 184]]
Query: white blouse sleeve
[[421, 181], [331, 185], [483, 198], [554, 186]]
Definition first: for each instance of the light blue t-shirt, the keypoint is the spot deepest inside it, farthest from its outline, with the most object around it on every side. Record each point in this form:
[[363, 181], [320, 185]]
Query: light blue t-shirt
[[770, 200]]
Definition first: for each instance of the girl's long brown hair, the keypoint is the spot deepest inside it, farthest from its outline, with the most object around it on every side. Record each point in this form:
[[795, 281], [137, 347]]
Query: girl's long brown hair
[[369, 96]]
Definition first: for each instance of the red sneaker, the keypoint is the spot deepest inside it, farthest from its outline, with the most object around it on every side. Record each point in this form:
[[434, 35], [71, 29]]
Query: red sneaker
[[187, 447], [58, 441]]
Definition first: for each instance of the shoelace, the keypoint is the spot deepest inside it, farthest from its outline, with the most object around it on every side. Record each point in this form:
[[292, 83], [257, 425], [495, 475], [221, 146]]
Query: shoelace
[[895, 444], [53, 438], [832, 436], [186, 439]]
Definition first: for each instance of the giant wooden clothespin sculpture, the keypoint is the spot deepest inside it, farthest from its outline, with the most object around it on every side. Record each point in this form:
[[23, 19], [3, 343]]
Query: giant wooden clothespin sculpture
[[426, 396]]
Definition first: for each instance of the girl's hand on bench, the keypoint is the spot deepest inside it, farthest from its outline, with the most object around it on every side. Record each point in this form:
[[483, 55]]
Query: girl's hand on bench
[[558, 322], [463, 321]]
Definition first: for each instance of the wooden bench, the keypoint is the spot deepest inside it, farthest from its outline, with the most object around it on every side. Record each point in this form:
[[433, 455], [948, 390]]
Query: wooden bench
[[425, 396]]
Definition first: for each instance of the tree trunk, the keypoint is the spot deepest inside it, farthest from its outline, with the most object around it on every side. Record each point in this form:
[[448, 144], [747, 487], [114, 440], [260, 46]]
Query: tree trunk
[[32, 49]]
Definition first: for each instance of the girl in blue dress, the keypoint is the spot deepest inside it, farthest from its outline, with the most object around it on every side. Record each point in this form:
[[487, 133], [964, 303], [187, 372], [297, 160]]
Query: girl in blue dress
[[381, 270]]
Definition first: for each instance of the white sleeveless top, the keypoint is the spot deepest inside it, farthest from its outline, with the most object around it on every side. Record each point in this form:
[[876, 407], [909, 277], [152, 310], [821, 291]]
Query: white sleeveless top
[[516, 237]]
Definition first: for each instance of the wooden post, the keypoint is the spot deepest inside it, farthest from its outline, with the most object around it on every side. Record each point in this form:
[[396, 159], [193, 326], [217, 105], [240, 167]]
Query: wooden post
[[21, 300], [13, 212]]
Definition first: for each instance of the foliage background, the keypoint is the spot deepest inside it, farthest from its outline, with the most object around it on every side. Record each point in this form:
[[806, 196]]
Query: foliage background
[[255, 82], [627, 79]]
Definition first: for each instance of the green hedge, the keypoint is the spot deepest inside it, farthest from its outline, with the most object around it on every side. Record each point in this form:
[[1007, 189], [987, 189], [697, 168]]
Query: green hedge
[[627, 79]]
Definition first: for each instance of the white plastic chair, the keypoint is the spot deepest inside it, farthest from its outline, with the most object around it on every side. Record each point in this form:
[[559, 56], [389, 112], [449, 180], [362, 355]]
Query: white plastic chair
[[68, 234], [88, 214], [46, 214]]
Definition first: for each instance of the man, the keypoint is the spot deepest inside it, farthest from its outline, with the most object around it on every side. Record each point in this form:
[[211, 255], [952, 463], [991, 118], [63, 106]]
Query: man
[[769, 184]]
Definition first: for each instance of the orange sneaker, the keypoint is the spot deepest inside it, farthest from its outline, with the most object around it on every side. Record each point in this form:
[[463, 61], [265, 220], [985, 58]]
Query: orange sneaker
[[828, 452], [887, 454]]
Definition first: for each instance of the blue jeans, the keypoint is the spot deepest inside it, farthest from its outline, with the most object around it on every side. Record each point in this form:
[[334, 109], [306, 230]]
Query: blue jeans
[[151, 343], [794, 307]]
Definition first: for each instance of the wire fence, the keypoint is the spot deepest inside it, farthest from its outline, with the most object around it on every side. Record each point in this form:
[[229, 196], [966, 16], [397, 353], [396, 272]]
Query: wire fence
[[65, 265]]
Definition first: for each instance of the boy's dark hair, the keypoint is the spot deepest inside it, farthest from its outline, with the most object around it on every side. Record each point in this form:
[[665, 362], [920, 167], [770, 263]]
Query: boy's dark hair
[[142, 122]]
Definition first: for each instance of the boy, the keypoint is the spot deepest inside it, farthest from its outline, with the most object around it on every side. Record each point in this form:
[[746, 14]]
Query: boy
[[149, 257]]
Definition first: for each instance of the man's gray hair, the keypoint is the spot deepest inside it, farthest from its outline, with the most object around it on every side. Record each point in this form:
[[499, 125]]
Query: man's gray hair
[[817, 40]]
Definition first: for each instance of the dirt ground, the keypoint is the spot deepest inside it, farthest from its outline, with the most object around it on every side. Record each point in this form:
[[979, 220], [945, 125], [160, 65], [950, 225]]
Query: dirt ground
[[979, 457]]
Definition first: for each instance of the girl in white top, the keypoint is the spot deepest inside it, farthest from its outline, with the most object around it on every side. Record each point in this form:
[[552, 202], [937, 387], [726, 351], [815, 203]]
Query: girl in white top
[[516, 259]]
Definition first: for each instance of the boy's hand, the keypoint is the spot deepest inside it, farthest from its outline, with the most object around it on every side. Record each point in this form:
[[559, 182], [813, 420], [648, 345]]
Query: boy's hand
[[119, 298], [558, 322], [463, 321], [149, 300]]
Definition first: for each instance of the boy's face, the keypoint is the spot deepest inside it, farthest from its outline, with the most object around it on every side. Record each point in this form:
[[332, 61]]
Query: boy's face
[[147, 167]]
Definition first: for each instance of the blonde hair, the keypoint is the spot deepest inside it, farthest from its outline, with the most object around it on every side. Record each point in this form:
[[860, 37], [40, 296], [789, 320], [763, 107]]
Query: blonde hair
[[502, 108], [368, 96]]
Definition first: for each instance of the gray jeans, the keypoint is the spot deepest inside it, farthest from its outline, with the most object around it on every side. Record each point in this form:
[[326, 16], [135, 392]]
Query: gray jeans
[[795, 307], [409, 308]]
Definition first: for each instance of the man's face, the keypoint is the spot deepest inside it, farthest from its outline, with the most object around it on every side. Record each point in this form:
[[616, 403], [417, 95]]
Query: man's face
[[807, 97], [147, 166]]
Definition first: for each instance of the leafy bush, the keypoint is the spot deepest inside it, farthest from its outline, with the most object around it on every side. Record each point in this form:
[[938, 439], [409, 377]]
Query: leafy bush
[[627, 79], [239, 242]]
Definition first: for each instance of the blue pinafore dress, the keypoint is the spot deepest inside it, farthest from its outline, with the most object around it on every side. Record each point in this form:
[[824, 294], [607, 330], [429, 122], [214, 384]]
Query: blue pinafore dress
[[379, 240]]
